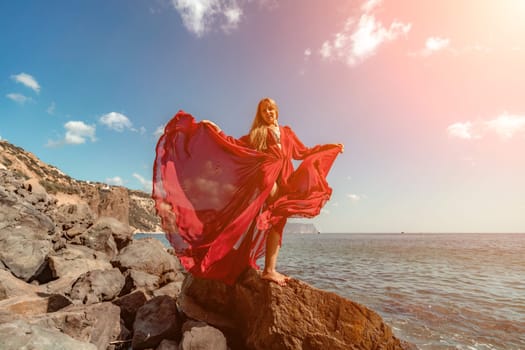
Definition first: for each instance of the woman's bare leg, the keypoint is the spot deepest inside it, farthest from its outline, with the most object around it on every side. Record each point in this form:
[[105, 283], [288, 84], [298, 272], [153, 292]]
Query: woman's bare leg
[[272, 249], [270, 259]]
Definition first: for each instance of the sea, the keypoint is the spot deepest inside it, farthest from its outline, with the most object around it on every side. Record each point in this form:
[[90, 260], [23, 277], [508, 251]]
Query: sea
[[437, 291]]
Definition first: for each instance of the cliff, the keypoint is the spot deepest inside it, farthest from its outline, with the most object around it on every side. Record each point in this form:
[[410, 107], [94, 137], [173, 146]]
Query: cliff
[[132, 207]]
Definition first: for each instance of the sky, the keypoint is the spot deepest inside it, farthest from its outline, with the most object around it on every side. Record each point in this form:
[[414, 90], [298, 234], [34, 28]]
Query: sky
[[428, 97]]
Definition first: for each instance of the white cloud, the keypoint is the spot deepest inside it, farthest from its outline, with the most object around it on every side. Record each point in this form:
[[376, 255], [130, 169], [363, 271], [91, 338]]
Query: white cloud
[[436, 43], [116, 181], [116, 121], [199, 16], [233, 17], [504, 125], [147, 185], [307, 52], [19, 98], [77, 132], [159, 131], [354, 197], [433, 45], [326, 50], [27, 80], [359, 40], [51, 108], [461, 130], [370, 5]]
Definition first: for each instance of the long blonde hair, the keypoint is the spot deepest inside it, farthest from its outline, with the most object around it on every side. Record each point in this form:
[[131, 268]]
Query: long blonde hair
[[259, 129]]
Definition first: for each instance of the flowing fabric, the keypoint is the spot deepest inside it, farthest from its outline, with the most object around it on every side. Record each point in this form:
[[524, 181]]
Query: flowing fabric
[[217, 187]]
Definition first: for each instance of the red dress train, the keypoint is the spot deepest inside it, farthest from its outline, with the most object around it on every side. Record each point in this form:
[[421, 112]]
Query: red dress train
[[218, 186]]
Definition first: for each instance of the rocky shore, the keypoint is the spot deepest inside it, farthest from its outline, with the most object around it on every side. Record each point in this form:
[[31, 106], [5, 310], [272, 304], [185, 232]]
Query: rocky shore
[[71, 278]]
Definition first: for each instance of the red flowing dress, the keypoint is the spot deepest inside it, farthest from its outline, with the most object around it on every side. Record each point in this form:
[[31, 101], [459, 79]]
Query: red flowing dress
[[218, 186]]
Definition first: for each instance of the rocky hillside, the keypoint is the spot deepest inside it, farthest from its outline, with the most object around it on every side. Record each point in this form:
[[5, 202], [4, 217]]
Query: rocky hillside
[[135, 208]]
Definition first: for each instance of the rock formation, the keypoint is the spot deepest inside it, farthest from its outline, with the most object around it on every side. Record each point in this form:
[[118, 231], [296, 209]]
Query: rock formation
[[72, 278], [264, 315]]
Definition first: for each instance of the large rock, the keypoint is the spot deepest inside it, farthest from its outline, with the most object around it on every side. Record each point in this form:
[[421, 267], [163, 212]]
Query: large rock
[[26, 234], [75, 260], [70, 263], [295, 316], [136, 280], [201, 336], [129, 305], [37, 195], [16, 211], [98, 324], [19, 334], [24, 251], [30, 305], [139, 280], [122, 233], [171, 289], [156, 320], [10, 286], [74, 219], [97, 286], [100, 237], [148, 255]]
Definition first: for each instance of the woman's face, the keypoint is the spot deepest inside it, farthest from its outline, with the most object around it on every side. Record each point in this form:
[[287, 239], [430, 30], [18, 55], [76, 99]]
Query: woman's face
[[269, 113]]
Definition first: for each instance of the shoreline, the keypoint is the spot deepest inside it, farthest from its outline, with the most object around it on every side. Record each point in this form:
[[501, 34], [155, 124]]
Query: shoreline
[[148, 233]]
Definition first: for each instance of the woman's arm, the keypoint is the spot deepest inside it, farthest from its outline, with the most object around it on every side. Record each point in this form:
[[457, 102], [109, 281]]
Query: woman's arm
[[239, 142], [300, 151]]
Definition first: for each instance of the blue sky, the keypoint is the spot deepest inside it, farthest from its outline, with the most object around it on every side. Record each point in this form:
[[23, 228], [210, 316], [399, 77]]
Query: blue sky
[[427, 100]]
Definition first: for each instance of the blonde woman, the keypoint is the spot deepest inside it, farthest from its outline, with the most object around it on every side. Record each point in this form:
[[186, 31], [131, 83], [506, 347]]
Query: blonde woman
[[224, 201]]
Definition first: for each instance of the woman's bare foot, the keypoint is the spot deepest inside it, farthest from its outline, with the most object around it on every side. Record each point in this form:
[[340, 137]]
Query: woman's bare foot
[[275, 276]]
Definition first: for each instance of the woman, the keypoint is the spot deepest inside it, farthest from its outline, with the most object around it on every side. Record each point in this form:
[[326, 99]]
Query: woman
[[224, 202]]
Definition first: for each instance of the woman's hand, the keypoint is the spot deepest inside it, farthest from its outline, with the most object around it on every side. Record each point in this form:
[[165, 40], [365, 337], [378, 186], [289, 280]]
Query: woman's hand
[[212, 124], [341, 146]]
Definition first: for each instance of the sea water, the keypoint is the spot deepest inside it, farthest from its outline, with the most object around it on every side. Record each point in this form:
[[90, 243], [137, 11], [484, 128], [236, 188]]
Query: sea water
[[438, 291]]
